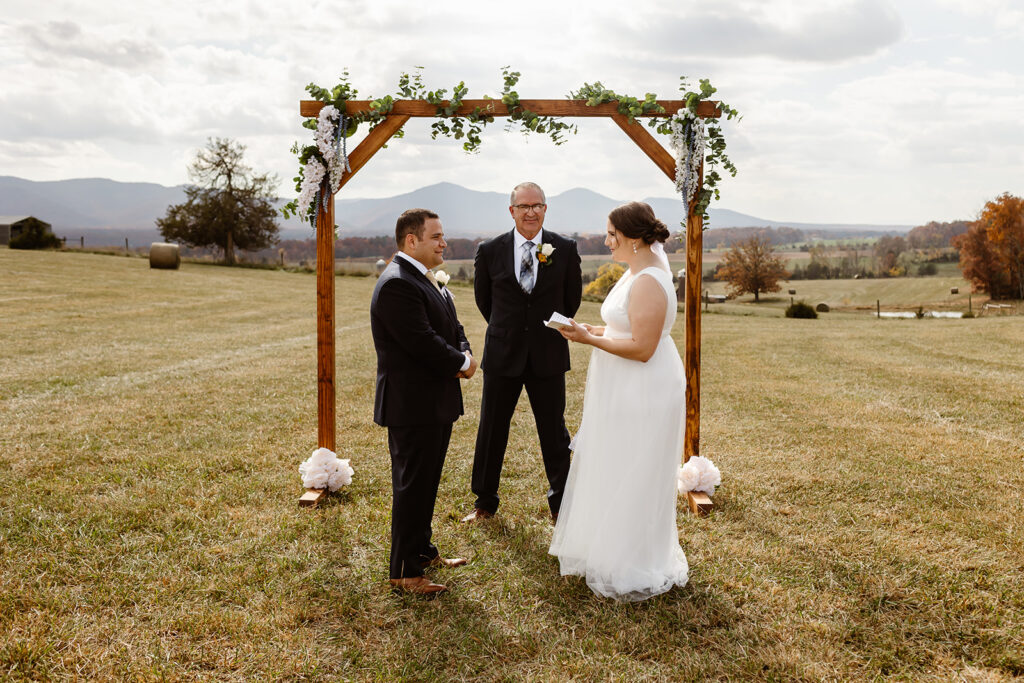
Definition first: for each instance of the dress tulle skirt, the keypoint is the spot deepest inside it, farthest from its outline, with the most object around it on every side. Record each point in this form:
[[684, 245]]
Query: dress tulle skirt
[[617, 523]]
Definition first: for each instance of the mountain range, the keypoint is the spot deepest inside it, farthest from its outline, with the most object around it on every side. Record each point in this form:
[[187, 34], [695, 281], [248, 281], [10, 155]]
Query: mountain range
[[108, 212]]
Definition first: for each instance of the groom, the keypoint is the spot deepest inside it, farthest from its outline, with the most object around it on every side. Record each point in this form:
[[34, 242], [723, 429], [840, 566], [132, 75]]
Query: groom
[[422, 352], [521, 278]]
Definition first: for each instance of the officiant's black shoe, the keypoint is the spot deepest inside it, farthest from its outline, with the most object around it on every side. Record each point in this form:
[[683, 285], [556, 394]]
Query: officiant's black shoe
[[450, 563], [554, 518], [477, 514], [418, 585]]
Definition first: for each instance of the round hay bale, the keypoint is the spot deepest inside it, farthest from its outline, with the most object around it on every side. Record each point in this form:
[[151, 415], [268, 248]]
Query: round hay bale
[[381, 265], [954, 290], [822, 307], [792, 291], [164, 255]]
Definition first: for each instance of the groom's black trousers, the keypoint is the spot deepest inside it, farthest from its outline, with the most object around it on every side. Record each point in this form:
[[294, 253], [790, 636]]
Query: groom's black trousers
[[500, 396], [417, 456]]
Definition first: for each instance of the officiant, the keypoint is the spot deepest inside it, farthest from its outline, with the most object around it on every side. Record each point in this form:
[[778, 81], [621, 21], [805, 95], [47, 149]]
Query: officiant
[[521, 278]]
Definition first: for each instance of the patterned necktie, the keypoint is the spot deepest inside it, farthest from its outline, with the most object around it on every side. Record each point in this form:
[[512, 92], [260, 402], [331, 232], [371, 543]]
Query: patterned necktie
[[526, 279]]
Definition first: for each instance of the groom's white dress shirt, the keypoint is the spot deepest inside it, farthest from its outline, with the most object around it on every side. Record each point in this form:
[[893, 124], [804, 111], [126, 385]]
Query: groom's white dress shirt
[[517, 253], [423, 271]]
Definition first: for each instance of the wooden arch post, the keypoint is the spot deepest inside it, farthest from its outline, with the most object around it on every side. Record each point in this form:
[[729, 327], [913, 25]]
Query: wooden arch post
[[396, 118]]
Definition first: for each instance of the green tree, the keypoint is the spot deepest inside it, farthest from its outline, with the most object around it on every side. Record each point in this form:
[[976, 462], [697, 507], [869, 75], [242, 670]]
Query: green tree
[[752, 266], [228, 205]]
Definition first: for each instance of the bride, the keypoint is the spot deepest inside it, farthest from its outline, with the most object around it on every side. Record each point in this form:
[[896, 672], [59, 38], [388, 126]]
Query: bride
[[617, 523]]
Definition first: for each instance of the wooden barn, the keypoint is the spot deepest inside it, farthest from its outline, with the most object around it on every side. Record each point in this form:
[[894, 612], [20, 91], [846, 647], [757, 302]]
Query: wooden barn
[[11, 226]]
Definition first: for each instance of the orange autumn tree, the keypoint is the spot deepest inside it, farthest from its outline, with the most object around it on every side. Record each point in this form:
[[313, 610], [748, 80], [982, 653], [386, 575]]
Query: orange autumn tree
[[752, 266], [992, 249]]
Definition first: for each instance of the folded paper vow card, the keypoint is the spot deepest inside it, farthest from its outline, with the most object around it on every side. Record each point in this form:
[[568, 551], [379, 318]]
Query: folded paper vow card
[[557, 321]]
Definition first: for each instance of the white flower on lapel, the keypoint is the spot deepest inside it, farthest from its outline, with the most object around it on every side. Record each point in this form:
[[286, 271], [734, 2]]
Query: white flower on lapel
[[442, 277], [544, 252]]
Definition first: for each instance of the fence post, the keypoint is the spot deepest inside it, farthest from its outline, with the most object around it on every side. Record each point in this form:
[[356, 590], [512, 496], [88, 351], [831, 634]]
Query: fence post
[[878, 308], [82, 241]]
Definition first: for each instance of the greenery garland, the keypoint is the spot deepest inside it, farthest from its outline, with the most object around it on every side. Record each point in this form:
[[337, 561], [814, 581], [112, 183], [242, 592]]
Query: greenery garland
[[692, 136], [701, 134]]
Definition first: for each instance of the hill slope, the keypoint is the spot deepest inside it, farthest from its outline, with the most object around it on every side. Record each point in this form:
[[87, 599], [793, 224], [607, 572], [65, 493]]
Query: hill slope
[[106, 209]]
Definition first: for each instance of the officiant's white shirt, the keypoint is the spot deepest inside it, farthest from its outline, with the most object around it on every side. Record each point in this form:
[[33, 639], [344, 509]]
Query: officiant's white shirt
[[517, 253], [423, 271]]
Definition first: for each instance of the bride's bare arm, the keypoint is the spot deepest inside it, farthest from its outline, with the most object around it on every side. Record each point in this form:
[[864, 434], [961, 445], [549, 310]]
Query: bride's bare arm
[[646, 318]]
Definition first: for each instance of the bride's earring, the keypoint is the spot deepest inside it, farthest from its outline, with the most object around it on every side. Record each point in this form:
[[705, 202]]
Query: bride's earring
[[634, 246]]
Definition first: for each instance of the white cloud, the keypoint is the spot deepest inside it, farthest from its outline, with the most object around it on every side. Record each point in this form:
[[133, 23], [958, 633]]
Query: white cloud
[[58, 41], [855, 110], [819, 32]]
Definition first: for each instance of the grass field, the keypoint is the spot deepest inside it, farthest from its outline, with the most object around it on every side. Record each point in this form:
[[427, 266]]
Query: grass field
[[905, 293], [868, 525]]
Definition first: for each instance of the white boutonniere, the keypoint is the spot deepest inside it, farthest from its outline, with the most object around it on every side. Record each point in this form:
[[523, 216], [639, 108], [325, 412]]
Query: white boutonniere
[[544, 252], [442, 277]]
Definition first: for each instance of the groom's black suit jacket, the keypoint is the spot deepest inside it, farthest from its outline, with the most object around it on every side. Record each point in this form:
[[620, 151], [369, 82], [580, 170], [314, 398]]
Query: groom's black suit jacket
[[419, 343], [517, 339]]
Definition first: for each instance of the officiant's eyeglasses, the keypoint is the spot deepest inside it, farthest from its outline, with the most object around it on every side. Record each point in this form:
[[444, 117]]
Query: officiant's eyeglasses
[[536, 208]]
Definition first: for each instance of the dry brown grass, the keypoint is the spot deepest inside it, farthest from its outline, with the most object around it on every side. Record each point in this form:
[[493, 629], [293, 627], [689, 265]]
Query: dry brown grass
[[152, 424]]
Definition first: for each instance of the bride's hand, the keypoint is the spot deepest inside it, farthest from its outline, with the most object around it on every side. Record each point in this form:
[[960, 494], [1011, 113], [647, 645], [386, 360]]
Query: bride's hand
[[577, 333], [592, 329]]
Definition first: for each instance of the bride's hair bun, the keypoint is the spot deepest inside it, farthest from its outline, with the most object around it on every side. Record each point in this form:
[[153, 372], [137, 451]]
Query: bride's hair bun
[[636, 220]]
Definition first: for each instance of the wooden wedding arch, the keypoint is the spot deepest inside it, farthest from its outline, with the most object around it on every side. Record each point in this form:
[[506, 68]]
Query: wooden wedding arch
[[401, 112]]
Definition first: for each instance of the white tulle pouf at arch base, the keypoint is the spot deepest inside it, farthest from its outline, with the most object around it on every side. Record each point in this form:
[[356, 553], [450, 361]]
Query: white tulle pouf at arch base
[[697, 480], [323, 471]]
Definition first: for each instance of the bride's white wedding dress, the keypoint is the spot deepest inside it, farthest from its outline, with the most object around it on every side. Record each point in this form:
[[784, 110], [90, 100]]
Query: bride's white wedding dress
[[617, 522]]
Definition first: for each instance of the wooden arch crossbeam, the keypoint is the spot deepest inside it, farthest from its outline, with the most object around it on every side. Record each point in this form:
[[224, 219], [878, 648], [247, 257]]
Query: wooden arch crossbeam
[[401, 112]]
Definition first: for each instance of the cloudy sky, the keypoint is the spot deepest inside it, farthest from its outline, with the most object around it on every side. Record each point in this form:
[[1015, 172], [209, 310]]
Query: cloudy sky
[[855, 111]]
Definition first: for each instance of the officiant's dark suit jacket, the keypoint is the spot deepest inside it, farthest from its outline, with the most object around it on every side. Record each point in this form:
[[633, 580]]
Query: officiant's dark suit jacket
[[420, 345], [517, 340], [519, 351]]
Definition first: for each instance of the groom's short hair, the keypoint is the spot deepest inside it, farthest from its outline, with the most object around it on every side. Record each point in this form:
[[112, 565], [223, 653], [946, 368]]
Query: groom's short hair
[[523, 186], [412, 221]]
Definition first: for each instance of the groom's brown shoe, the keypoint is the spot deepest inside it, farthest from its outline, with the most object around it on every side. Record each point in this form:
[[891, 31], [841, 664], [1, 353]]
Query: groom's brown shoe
[[477, 514], [439, 561], [419, 585]]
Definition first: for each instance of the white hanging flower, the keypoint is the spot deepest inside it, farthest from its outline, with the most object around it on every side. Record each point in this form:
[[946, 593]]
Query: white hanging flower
[[324, 470], [689, 155], [699, 474], [311, 178], [442, 277], [326, 134]]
